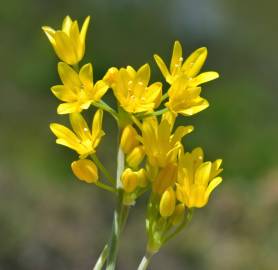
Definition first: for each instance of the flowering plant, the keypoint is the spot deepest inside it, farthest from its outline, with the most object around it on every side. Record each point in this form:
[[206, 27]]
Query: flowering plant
[[151, 157]]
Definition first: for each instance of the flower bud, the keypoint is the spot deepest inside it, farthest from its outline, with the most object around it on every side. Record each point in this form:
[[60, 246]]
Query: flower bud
[[165, 178], [85, 170], [178, 214], [167, 203], [110, 76], [142, 178], [135, 157], [129, 179], [128, 139]]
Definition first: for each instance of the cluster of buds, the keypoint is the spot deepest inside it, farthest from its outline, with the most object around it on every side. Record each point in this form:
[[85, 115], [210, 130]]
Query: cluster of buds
[[153, 159]]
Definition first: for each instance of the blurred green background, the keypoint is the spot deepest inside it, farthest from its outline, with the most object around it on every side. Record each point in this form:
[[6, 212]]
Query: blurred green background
[[49, 220]]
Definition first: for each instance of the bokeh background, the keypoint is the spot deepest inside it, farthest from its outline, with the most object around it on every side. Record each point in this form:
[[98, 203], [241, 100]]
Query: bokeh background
[[49, 220]]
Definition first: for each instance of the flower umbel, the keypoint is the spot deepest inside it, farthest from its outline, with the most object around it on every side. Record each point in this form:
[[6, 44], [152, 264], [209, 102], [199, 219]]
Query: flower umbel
[[151, 157], [82, 140], [69, 42]]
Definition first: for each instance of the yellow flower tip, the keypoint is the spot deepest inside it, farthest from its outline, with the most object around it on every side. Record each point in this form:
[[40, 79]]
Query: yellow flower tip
[[85, 170], [110, 76], [129, 180], [129, 139], [167, 203], [135, 157]]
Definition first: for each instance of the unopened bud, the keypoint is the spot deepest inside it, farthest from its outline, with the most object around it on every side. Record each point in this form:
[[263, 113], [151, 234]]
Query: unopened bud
[[129, 179], [135, 157], [178, 214], [110, 76], [128, 139], [85, 170], [142, 178], [167, 203]]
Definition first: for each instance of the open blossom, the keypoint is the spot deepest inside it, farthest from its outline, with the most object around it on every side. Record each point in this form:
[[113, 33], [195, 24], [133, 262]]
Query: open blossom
[[161, 146], [185, 99], [197, 179], [83, 140], [190, 67], [132, 91], [69, 42], [78, 90]]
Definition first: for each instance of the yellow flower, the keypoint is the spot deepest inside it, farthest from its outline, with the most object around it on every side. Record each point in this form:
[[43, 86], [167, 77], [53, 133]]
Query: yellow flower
[[82, 140], [78, 90], [184, 99], [190, 67], [68, 43], [129, 139], [160, 145], [132, 91], [85, 170], [197, 179], [167, 203]]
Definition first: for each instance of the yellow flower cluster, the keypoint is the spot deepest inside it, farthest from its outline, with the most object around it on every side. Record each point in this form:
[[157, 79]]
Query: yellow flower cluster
[[151, 145]]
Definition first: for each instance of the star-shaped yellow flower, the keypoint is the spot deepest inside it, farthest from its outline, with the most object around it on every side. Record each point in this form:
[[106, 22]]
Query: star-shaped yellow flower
[[78, 90], [185, 99], [82, 140], [190, 67], [132, 91], [197, 179], [69, 42]]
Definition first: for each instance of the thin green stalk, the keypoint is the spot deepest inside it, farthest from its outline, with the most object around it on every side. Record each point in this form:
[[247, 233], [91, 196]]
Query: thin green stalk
[[104, 106], [120, 216], [103, 169], [106, 187], [102, 258]]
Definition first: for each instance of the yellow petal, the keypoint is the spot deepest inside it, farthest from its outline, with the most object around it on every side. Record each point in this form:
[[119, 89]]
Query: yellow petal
[[135, 157], [197, 197], [202, 105], [85, 170], [84, 29], [66, 25], [99, 90], [63, 93], [65, 136], [154, 94], [80, 127], [181, 132], [194, 62], [215, 168], [163, 68], [66, 108], [50, 34], [143, 75], [97, 131], [64, 48], [178, 214], [167, 203], [212, 185], [176, 60], [202, 174], [69, 77], [86, 75], [128, 139], [203, 78]]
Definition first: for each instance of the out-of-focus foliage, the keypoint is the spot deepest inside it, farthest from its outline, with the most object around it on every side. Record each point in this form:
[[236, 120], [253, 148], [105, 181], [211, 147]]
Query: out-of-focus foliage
[[48, 220]]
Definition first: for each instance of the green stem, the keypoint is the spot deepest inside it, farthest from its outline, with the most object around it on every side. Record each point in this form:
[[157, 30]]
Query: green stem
[[102, 258], [181, 227], [106, 187], [120, 215], [145, 261], [103, 169], [164, 96], [104, 106]]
